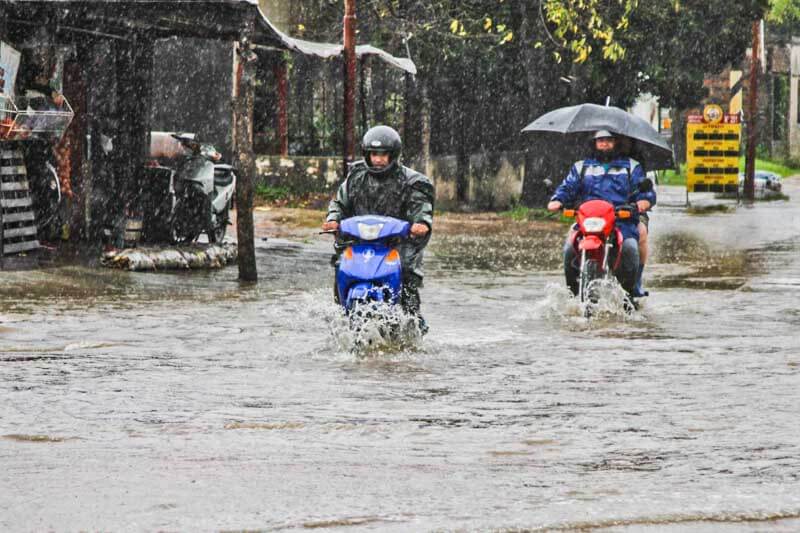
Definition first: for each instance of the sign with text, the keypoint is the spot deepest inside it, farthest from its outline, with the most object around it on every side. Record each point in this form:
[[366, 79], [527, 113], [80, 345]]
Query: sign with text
[[713, 140]]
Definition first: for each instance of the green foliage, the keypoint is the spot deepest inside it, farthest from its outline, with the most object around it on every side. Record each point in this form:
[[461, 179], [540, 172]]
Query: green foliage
[[268, 193], [526, 214], [672, 177], [781, 167], [784, 10], [581, 26], [490, 67], [670, 47]]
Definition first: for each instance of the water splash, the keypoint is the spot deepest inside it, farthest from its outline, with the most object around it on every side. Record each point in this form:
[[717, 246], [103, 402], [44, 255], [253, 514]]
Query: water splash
[[381, 330], [609, 303], [378, 329]]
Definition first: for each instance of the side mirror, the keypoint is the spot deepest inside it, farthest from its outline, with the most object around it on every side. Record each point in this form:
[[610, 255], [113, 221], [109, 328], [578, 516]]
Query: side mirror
[[646, 185]]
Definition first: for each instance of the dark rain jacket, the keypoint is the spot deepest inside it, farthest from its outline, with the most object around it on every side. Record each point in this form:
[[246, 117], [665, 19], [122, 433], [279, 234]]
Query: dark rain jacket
[[616, 182], [402, 193]]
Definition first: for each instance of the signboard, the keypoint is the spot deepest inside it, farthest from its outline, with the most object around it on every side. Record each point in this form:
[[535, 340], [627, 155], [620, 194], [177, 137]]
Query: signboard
[[712, 151], [9, 64]]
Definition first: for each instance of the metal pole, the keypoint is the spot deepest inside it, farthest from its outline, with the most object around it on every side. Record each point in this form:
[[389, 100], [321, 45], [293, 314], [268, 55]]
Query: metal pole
[[349, 81], [752, 122]]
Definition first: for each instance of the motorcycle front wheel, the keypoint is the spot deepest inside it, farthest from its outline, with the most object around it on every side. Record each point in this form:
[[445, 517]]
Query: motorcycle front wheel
[[182, 233], [590, 271], [217, 233]]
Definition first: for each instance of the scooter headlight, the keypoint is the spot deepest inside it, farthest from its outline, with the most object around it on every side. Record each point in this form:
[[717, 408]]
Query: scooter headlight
[[369, 232], [594, 224]]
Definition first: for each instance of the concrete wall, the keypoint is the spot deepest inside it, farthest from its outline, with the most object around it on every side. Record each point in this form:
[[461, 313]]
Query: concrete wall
[[299, 174], [495, 180]]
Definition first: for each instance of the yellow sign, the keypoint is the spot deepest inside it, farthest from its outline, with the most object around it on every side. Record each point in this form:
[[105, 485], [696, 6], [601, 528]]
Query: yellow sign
[[713, 114], [712, 151]]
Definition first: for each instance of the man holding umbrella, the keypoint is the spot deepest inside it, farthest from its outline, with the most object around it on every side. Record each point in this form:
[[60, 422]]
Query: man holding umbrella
[[607, 175]]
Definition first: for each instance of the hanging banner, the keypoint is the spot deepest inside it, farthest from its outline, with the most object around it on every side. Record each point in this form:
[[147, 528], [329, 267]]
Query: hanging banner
[[713, 141]]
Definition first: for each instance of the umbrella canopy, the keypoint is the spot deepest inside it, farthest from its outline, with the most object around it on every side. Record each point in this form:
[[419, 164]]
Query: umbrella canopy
[[647, 146]]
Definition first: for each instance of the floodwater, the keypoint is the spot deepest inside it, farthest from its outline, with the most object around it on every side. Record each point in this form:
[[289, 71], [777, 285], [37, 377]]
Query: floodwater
[[187, 402]]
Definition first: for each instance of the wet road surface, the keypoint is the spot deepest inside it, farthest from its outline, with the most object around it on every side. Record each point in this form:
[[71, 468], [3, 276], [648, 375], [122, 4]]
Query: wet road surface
[[177, 401]]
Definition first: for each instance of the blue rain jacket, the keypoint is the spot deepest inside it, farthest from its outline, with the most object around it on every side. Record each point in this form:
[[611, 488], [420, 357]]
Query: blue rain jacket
[[609, 182]]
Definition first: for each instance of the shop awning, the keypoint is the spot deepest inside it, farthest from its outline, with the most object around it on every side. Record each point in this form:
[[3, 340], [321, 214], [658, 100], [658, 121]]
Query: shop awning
[[329, 50]]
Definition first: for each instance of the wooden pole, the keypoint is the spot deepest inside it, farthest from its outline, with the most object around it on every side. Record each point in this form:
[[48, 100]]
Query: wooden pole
[[349, 82], [244, 93], [2, 234], [281, 75], [752, 117]]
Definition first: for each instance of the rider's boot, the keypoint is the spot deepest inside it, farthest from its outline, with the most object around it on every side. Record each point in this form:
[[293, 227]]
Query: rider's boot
[[638, 290], [410, 300]]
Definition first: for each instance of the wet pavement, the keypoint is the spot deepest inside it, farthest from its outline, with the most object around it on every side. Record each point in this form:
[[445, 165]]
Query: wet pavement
[[186, 401]]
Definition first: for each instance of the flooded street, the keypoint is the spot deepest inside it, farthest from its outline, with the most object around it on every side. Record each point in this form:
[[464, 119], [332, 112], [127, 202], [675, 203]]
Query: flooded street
[[175, 401]]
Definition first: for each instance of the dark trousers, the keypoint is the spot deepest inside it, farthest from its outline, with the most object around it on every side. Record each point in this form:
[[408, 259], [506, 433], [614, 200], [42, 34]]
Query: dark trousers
[[409, 296]]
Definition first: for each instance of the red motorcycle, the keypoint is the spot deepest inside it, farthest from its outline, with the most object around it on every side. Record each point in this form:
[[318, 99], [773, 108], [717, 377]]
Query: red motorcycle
[[597, 242], [598, 245]]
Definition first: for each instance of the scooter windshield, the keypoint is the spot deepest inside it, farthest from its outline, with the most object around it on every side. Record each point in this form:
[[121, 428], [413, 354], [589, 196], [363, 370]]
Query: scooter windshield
[[373, 227]]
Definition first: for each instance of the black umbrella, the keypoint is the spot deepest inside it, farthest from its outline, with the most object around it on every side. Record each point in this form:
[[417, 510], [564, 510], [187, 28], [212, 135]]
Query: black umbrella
[[646, 146]]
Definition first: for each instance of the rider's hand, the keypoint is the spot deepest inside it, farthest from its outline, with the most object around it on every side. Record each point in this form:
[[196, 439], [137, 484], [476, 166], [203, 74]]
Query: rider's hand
[[419, 230], [330, 225], [555, 205], [643, 205]]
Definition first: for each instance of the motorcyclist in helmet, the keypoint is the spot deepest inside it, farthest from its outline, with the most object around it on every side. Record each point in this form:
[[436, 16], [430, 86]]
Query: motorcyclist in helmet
[[606, 175], [380, 185]]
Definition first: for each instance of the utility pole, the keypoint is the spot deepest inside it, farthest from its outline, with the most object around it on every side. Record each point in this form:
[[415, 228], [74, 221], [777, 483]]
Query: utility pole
[[349, 82], [752, 115], [245, 158]]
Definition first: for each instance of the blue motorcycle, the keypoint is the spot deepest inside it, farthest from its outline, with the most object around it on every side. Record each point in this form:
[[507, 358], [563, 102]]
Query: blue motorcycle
[[370, 269]]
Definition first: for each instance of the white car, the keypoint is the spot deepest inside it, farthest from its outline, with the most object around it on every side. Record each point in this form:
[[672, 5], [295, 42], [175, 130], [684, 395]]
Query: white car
[[766, 183]]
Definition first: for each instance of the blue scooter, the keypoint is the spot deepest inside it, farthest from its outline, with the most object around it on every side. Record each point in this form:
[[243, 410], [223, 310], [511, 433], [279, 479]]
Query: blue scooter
[[370, 269]]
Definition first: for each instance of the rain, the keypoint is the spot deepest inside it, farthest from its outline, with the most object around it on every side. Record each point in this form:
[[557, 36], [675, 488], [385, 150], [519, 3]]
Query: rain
[[214, 310]]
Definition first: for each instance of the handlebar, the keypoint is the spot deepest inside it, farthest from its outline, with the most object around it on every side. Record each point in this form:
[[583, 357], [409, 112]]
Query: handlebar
[[624, 211]]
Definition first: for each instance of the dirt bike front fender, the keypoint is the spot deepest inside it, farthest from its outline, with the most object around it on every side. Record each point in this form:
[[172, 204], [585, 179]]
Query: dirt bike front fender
[[590, 243]]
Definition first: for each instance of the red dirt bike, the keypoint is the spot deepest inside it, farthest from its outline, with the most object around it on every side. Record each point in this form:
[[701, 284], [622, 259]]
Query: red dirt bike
[[598, 245]]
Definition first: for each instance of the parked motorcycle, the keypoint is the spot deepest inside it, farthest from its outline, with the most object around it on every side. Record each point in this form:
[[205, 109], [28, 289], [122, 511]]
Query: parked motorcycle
[[598, 244], [187, 192], [45, 189]]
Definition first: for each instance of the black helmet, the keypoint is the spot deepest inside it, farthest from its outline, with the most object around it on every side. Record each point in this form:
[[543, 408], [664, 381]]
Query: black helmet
[[382, 139]]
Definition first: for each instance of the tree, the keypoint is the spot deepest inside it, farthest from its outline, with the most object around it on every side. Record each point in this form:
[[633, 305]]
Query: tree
[[491, 67], [784, 10]]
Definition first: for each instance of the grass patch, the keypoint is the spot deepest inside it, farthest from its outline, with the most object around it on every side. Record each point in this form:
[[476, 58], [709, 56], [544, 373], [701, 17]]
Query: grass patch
[[778, 167], [284, 197], [708, 209], [673, 177], [528, 214], [268, 193]]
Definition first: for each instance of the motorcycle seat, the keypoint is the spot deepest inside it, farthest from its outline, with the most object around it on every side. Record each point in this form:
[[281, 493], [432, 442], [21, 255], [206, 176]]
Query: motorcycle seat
[[223, 175]]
